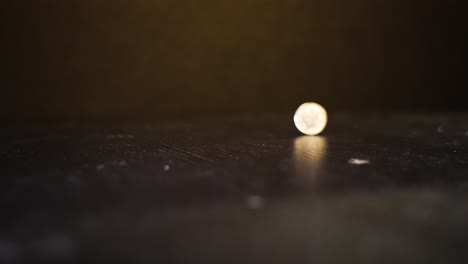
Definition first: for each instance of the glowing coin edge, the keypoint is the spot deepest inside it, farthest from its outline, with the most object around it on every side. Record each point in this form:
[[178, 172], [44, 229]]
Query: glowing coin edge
[[295, 118]]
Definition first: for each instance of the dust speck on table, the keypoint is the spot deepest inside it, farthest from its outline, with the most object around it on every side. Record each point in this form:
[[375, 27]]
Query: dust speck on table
[[355, 161], [120, 163], [254, 201], [166, 167]]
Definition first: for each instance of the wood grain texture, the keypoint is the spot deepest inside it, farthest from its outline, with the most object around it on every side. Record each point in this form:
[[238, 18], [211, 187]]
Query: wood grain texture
[[236, 190]]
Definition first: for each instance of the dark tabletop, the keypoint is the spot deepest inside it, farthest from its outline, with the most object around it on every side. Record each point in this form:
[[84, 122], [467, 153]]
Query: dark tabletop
[[373, 188]]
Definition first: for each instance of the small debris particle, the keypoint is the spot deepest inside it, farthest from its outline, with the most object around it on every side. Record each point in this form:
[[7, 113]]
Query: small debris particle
[[100, 167], [119, 163], [166, 167], [358, 161], [440, 129], [466, 133], [254, 201]]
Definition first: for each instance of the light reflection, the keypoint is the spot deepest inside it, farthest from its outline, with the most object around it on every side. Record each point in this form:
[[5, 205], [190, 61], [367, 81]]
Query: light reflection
[[309, 155]]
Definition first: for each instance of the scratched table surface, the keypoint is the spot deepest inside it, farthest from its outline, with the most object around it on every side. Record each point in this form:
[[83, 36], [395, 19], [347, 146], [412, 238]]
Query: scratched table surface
[[374, 188]]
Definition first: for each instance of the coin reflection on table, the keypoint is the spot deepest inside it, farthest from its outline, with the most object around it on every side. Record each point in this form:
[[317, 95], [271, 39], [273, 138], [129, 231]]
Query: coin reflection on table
[[309, 156]]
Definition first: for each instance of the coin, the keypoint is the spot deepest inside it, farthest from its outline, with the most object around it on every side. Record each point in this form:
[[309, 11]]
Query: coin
[[310, 118]]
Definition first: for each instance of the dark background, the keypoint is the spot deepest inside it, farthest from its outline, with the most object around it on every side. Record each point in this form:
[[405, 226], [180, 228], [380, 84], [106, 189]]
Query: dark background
[[114, 59]]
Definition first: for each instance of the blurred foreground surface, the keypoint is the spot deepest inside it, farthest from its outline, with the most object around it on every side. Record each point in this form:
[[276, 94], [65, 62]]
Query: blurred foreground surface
[[370, 189]]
